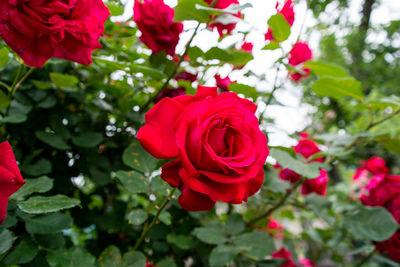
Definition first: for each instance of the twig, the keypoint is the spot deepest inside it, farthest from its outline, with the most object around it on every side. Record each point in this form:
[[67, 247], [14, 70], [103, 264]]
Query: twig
[[366, 258]]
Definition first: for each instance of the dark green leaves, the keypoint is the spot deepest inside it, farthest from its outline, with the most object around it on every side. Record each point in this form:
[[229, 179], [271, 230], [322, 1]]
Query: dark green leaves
[[6, 240], [110, 257], [133, 181], [137, 158], [137, 217], [338, 87], [234, 224], [256, 244], [210, 234], [41, 204], [181, 241], [48, 224], [24, 252], [37, 185], [70, 258], [88, 139], [287, 161], [280, 27], [371, 223], [52, 140]]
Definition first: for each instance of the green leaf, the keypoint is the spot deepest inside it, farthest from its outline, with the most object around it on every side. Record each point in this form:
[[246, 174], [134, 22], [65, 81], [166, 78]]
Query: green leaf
[[181, 241], [256, 244], [133, 181], [234, 224], [338, 87], [37, 185], [274, 184], [280, 27], [147, 71], [42, 85], [4, 100], [247, 91], [88, 139], [186, 10], [168, 262], [24, 252], [110, 257], [48, 224], [72, 257], [63, 80], [52, 140], [14, 118], [41, 204], [223, 255], [240, 58], [159, 186], [326, 69], [317, 203], [6, 240], [287, 161], [271, 46], [137, 158], [210, 234], [371, 223], [164, 217], [42, 166], [218, 53], [137, 217], [115, 10], [4, 57], [134, 259], [390, 101]]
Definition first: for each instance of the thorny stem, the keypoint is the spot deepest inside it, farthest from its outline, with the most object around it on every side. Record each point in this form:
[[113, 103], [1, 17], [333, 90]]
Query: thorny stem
[[173, 74], [278, 205], [155, 219]]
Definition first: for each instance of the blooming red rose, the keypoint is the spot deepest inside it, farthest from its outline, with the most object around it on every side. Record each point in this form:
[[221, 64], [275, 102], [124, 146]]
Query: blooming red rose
[[287, 12], [10, 177], [317, 185], [149, 264], [41, 29], [391, 246], [215, 141], [247, 47], [300, 54], [155, 21], [306, 148], [223, 28], [168, 92], [384, 191], [186, 76], [376, 165], [223, 83], [283, 253]]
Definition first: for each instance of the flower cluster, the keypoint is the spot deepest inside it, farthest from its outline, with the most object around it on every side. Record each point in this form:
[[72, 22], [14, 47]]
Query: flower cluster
[[382, 189], [218, 149], [307, 148], [283, 253], [300, 54], [40, 30]]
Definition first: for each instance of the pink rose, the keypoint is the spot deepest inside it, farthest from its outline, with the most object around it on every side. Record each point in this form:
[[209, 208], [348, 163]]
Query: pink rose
[[39, 30], [300, 54], [306, 263], [247, 47], [287, 12], [215, 141], [223, 83], [155, 21], [274, 228], [223, 28], [10, 177]]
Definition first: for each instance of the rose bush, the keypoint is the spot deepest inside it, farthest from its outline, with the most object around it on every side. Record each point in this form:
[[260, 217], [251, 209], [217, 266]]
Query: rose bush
[[215, 140], [39, 30]]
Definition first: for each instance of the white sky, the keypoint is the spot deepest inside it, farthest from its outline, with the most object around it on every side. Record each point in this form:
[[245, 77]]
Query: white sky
[[293, 116]]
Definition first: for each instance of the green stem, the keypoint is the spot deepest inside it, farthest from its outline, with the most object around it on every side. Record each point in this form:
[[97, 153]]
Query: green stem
[[366, 258], [21, 68], [18, 84], [173, 74], [155, 219], [5, 86], [278, 205]]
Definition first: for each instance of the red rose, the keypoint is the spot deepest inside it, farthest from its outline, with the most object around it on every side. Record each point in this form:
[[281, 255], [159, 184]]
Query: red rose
[[376, 165], [10, 177], [216, 142], [247, 47], [155, 21], [223, 28], [284, 254], [384, 191], [287, 12], [223, 83], [300, 54], [391, 246], [170, 93], [306, 148], [186, 76], [317, 185], [67, 29]]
